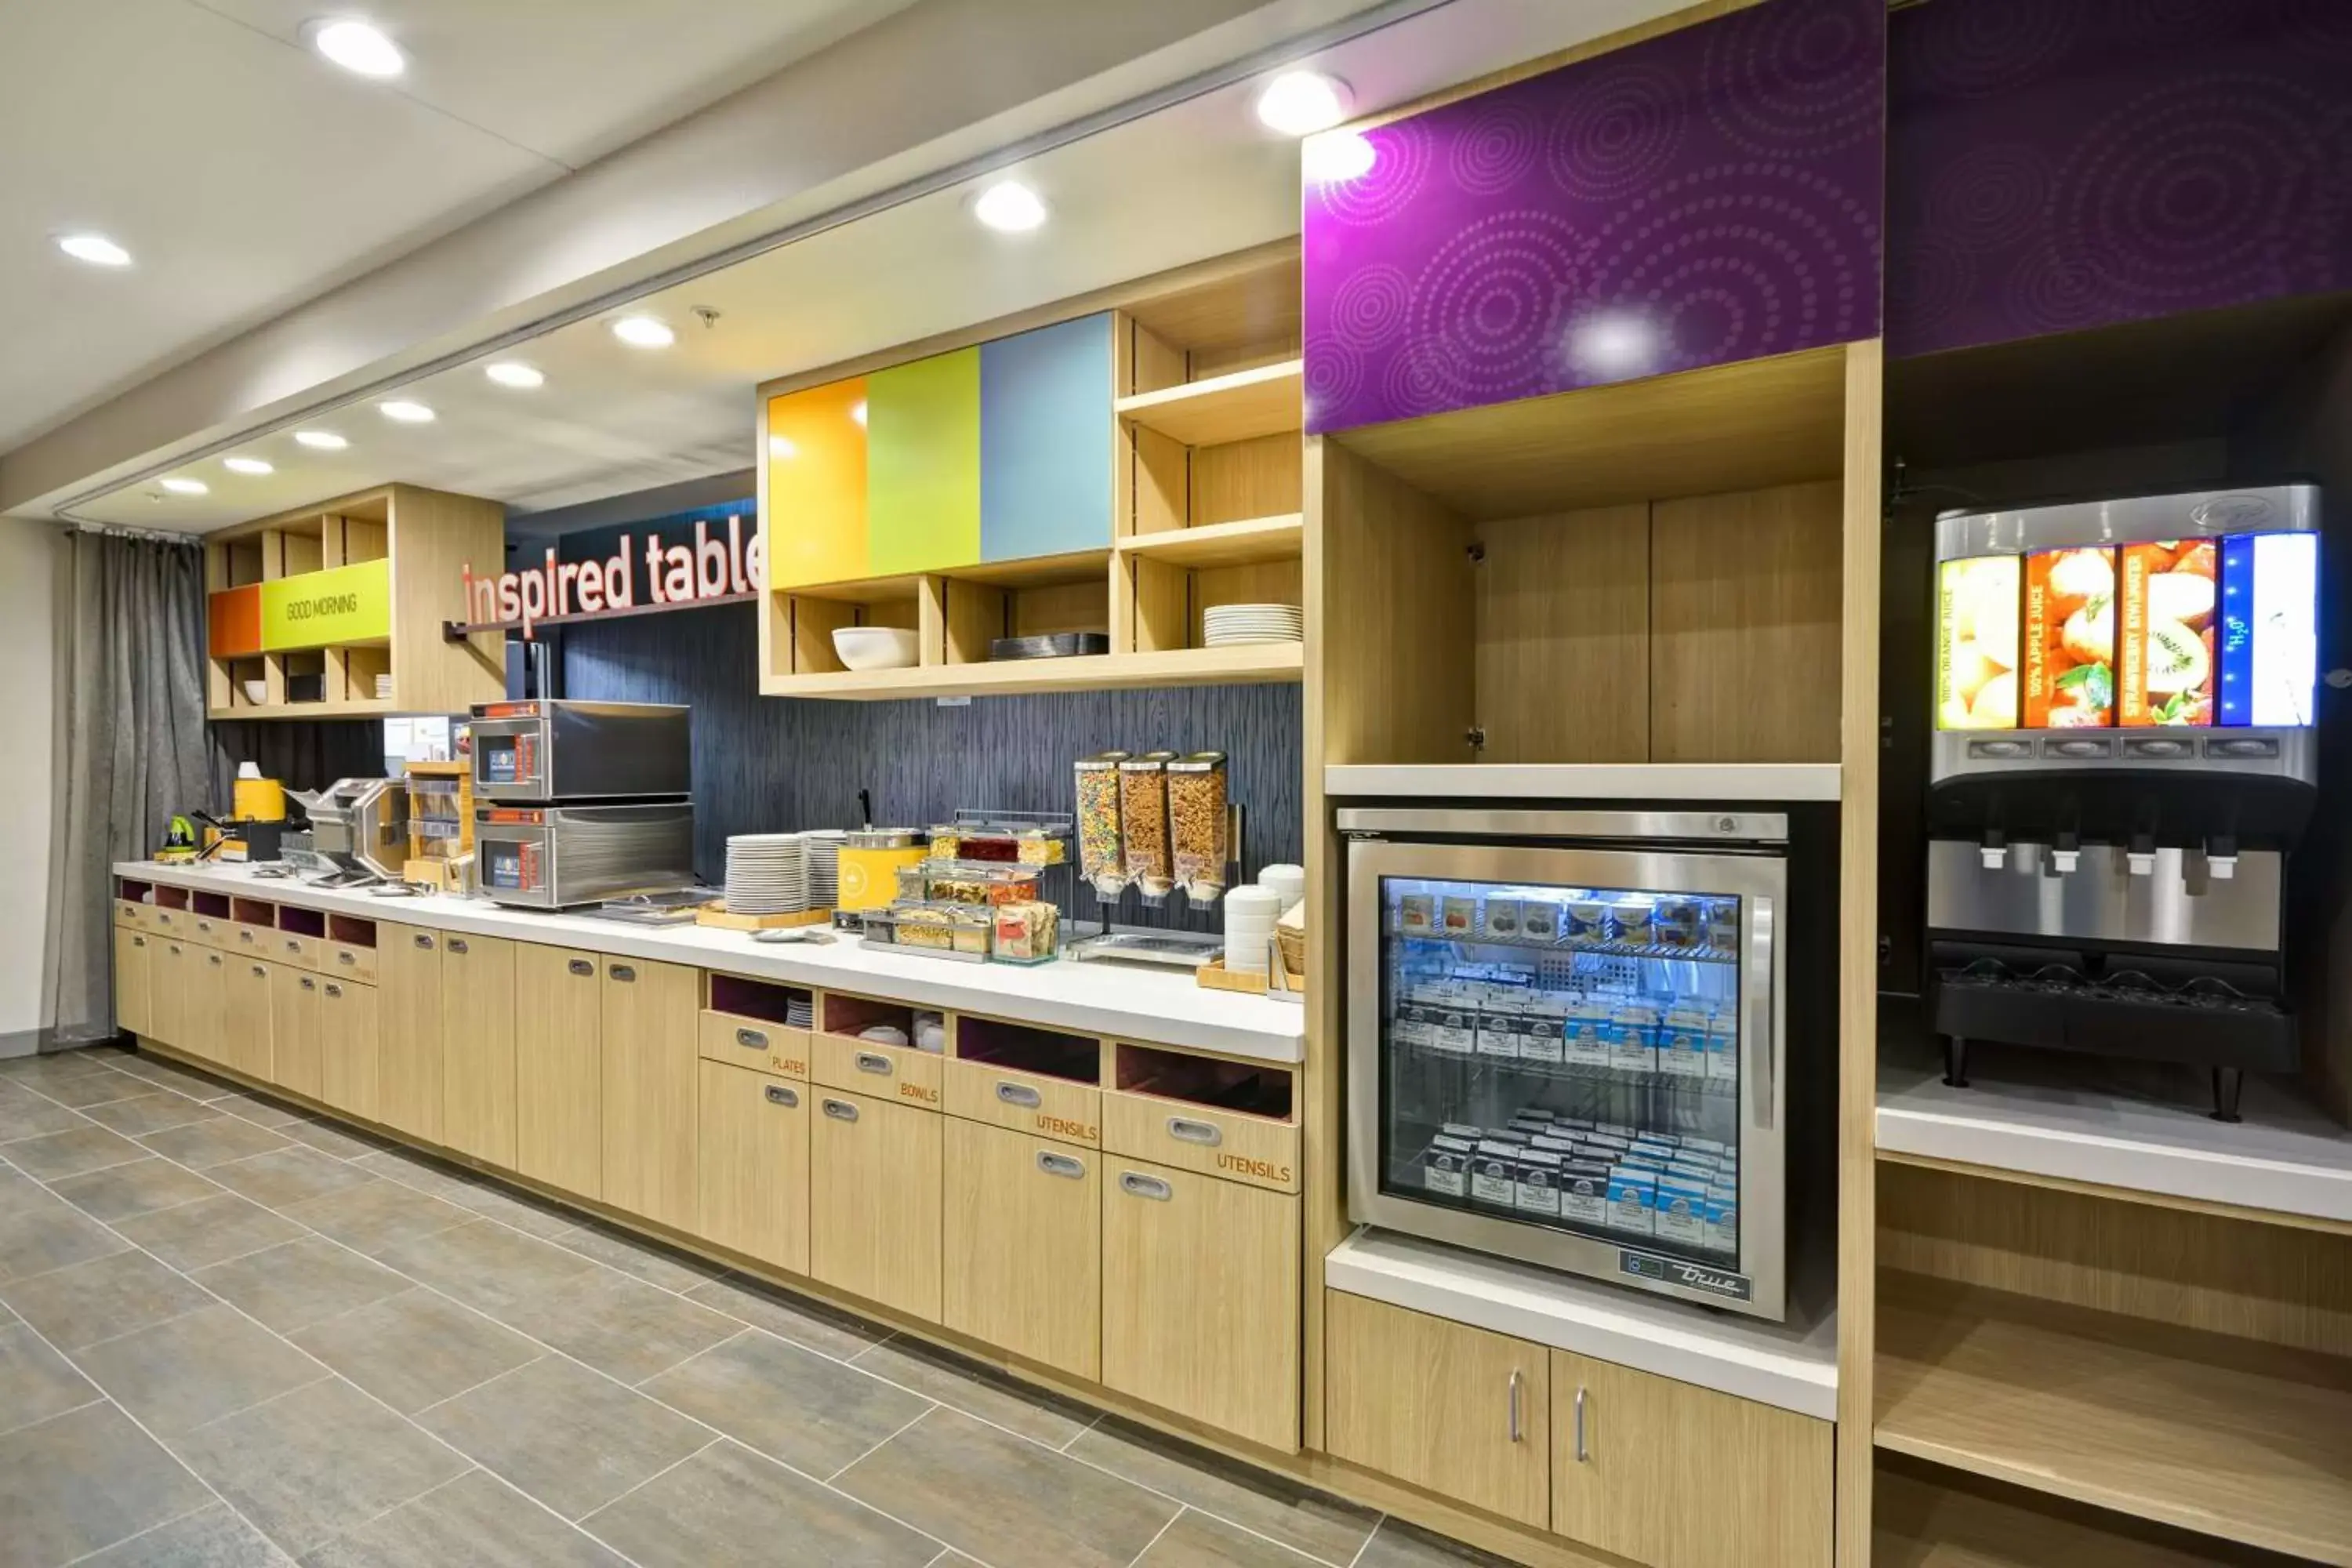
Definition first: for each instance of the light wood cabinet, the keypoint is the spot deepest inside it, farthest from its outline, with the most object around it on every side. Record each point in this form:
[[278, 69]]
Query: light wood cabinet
[[349, 1046], [408, 1059], [207, 971], [1021, 1245], [1677, 1476], [754, 1156], [1237, 1148], [170, 976], [1464, 1413], [245, 1007], [350, 960], [559, 1070], [295, 1062], [873, 1201], [478, 1047], [134, 966], [652, 1016], [1201, 1312]]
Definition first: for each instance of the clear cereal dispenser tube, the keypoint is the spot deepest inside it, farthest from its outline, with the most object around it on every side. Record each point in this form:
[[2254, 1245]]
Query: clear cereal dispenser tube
[[1199, 824], [1102, 853], [1143, 823]]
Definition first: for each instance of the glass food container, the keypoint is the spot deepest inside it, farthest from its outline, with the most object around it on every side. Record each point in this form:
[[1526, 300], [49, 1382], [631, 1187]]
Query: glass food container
[[1199, 826], [1143, 823], [1102, 853]]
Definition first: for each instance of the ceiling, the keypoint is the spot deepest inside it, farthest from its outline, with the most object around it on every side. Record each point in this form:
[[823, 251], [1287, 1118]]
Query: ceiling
[[1196, 180], [245, 175]]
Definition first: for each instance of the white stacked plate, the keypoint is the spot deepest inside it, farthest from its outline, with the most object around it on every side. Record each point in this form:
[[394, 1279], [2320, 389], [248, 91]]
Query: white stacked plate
[[1222, 625], [1250, 914], [767, 874], [800, 1011], [384, 688], [822, 855]]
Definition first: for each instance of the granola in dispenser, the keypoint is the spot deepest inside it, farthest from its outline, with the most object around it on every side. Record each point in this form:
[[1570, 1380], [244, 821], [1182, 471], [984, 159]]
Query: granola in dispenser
[[1200, 824], [1143, 823]]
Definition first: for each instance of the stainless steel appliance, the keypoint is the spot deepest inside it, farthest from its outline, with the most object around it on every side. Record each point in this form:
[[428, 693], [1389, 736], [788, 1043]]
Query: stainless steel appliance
[[2125, 755], [549, 750], [359, 828], [1567, 1040], [554, 857]]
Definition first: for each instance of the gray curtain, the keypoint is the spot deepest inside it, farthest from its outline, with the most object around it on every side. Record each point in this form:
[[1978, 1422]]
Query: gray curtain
[[131, 707]]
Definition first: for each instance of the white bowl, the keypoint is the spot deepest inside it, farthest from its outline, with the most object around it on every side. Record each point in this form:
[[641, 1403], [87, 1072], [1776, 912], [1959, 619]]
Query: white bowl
[[257, 692], [875, 648]]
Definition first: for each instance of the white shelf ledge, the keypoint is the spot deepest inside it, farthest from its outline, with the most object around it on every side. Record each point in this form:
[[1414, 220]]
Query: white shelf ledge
[[1588, 781], [1793, 1366], [2136, 1127]]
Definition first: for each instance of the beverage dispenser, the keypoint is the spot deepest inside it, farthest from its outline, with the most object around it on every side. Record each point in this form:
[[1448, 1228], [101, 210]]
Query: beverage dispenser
[[2123, 757]]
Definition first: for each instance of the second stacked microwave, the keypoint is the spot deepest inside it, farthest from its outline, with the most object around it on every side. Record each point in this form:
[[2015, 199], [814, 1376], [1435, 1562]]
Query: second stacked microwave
[[582, 802]]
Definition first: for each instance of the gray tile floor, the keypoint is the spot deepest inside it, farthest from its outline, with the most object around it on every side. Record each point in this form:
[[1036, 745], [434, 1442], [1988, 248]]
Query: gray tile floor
[[231, 1336]]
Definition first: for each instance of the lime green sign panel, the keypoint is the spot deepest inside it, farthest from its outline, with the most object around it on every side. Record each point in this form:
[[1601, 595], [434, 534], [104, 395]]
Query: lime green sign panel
[[317, 609], [922, 465]]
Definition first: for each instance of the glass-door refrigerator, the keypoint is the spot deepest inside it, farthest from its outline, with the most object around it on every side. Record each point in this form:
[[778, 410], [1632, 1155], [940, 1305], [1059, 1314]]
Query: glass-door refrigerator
[[1565, 1041]]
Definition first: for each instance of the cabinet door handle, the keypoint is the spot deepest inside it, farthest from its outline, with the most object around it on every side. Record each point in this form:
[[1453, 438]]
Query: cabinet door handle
[[1055, 1164], [779, 1095], [1517, 1380], [1136, 1185], [873, 1062], [583, 968], [246, 937], [138, 941], [423, 940], [293, 945], [457, 945], [214, 958], [621, 972], [260, 973], [308, 985], [1581, 1454], [333, 989], [752, 1039], [1184, 1129], [840, 1110], [345, 955], [1022, 1095]]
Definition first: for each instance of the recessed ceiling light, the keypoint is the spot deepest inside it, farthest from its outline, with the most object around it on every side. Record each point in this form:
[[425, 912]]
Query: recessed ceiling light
[[514, 373], [320, 440], [247, 466], [94, 248], [1300, 103], [858, 410], [783, 446], [1338, 157], [643, 332], [359, 48], [406, 410], [1010, 207], [180, 486]]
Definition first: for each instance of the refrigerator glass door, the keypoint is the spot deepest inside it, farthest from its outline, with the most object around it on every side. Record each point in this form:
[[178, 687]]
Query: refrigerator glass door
[[1570, 1056]]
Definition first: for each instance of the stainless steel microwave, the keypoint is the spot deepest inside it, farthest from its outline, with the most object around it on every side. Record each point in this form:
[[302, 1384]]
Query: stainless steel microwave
[[546, 750], [1565, 1034]]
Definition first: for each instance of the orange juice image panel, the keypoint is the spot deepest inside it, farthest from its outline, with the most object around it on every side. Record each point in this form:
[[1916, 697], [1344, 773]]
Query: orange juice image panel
[[2070, 638], [2167, 597], [1977, 644]]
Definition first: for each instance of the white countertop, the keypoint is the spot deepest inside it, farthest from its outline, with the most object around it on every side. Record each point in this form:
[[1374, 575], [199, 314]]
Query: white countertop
[[1793, 1366], [1157, 1005], [2138, 1126], [1723, 782]]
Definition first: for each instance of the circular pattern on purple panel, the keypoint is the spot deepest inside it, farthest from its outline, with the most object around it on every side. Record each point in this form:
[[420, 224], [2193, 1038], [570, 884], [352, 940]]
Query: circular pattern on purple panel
[[1618, 134], [1490, 297], [1793, 81], [2194, 186], [2051, 291], [1990, 196], [1496, 150], [2323, 26], [1412, 384], [1401, 157], [1974, 50], [1369, 307], [2173, 21], [1928, 281], [1333, 377]]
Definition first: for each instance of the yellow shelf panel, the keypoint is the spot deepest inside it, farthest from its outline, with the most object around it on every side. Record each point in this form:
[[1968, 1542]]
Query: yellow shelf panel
[[2208, 1432], [1250, 663], [1265, 401], [1244, 543], [365, 709]]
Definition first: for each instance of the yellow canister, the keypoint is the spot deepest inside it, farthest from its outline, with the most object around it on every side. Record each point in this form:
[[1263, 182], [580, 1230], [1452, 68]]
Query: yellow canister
[[868, 866], [260, 800]]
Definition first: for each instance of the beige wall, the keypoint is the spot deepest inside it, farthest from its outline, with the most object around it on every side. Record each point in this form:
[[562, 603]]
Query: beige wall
[[29, 557]]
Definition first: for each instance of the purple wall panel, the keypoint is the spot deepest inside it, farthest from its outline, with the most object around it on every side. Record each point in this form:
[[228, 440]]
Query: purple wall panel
[[2056, 165], [1708, 195]]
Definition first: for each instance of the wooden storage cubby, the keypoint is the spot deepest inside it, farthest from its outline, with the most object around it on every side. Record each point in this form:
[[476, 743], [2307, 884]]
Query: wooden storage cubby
[[170, 897], [211, 905], [1216, 1083], [302, 922], [350, 930], [253, 912], [439, 535], [746, 998], [1025, 1048]]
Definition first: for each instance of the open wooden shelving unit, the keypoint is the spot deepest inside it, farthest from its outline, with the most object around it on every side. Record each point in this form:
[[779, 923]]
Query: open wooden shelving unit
[[1206, 511], [424, 539]]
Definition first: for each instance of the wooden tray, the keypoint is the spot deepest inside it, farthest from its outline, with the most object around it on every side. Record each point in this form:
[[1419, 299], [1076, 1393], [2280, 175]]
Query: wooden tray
[[715, 914], [1217, 977]]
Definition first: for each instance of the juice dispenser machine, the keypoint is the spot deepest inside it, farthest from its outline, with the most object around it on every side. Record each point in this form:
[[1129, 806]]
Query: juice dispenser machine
[[2123, 756]]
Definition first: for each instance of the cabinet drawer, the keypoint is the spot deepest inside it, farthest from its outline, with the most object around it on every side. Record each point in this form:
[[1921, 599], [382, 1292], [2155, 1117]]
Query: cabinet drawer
[[1193, 1138], [755, 1042], [212, 930], [254, 941], [1682, 1477], [1032, 1103], [168, 922], [888, 1072], [349, 960], [874, 1189], [294, 949], [1464, 1413], [131, 913]]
